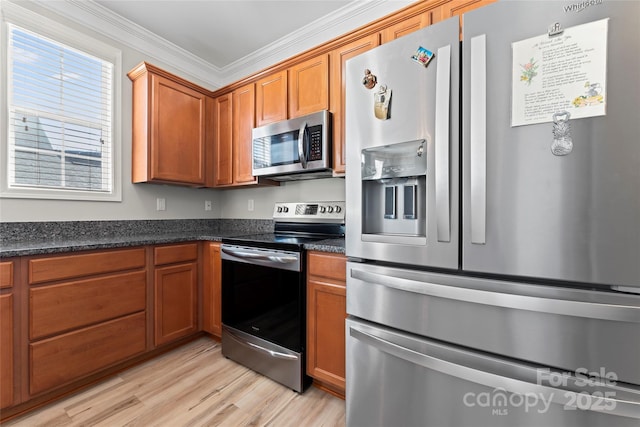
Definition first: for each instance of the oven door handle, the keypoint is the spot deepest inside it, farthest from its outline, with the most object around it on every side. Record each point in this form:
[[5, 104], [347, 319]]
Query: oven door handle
[[282, 259], [272, 353]]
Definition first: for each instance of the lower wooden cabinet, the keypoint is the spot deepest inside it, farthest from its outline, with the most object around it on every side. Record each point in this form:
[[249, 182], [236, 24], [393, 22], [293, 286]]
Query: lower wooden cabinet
[[176, 292], [326, 313], [6, 334], [61, 359], [212, 289], [6, 350]]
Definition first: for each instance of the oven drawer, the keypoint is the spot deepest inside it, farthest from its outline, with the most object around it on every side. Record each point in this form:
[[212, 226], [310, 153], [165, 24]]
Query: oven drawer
[[276, 362]]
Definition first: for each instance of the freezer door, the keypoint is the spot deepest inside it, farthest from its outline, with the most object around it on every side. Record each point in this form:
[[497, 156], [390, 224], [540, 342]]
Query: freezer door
[[413, 381], [562, 327], [405, 213], [526, 211]]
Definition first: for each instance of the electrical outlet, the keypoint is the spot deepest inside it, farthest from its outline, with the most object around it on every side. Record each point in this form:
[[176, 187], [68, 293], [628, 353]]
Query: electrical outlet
[[161, 204], [207, 205], [250, 205]]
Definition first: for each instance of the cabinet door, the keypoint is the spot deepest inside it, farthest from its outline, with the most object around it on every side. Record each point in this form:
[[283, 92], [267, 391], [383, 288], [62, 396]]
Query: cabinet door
[[56, 361], [212, 290], [175, 302], [405, 27], [271, 98], [309, 86], [244, 120], [223, 172], [326, 314], [339, 57], [6, 350], [177, 132]]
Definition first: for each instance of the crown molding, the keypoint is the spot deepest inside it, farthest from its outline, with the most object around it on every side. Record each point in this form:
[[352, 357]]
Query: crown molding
[[109, 24]]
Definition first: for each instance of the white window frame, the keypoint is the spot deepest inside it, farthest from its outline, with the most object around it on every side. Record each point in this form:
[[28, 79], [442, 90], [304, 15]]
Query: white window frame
[[31, 21]]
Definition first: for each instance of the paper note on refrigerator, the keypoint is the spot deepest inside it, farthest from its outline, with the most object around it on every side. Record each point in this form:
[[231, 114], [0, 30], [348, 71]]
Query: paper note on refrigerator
[[565, 72]]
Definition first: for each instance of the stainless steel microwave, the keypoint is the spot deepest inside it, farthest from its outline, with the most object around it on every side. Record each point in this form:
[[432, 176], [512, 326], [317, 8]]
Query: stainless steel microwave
[[298, 148]]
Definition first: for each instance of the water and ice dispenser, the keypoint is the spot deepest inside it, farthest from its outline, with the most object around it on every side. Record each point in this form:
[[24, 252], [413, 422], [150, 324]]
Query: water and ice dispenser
[[394, 180]]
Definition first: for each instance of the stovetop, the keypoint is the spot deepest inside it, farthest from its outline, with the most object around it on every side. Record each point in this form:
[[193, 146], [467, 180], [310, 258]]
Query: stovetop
[[296, 225]]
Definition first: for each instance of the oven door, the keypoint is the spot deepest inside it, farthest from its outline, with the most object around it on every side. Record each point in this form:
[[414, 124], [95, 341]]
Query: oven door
[[263, 312], [263, 294]]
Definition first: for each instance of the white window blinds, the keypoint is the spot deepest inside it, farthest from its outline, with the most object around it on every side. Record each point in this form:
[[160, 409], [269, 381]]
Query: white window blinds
[[60, 116]]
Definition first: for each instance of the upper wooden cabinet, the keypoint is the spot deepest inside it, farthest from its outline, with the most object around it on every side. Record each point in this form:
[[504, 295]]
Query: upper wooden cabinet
[[339, 58], [169, 128], [405, 27], [309, 86], [223, 143], [271, 98], [234, 119], [244, 120]]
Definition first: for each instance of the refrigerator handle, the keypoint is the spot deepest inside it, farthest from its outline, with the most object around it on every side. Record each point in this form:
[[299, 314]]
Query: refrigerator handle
[[443, 95], [587, 309], [478, 139], [608, 402]]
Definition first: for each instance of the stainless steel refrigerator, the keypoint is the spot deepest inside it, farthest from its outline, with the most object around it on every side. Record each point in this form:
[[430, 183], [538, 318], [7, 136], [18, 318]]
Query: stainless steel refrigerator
[[493, 220]]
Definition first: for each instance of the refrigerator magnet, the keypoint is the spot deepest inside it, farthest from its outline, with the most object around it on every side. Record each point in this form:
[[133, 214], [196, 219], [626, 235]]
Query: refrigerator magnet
[[422, 56], [369, 80], [381, 103]]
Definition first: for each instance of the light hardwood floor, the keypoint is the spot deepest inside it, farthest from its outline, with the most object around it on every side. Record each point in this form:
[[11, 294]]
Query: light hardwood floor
[[193, 385]]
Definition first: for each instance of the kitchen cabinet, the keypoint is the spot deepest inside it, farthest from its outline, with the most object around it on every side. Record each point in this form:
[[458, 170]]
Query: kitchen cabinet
[[234, 119], [406, 26], [271, 98], [223, 141], [302, 89], [86, 312], [175, 292], [6, 334], [339, 57], [169, 128], [326, 314], [309, 86], [212, 289], [244, 120]]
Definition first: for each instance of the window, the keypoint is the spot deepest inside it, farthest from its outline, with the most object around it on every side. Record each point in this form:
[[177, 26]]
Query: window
[[61, 133]]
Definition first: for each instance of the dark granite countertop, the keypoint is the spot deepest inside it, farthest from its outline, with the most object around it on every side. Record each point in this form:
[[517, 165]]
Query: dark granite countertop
[[18, 239]]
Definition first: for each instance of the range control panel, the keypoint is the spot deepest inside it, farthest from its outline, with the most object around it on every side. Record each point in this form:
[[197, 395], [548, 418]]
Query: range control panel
[[309, 212]]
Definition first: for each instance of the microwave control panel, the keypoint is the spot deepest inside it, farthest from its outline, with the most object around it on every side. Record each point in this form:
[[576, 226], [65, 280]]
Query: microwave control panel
[[315, 143]]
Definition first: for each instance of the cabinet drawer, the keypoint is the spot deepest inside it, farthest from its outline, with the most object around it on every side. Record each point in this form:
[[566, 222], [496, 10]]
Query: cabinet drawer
[[175, 253], [57, 361], [66, 306], [69, 266], [330, 266], [6, 274]]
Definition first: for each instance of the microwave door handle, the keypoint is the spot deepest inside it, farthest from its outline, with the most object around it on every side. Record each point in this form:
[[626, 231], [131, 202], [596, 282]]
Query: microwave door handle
[[301, 145]]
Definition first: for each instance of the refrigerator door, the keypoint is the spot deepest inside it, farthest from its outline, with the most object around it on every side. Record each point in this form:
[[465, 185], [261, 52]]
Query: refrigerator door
[[413, 381], [406, 210], [548, 325], [526, 211]]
